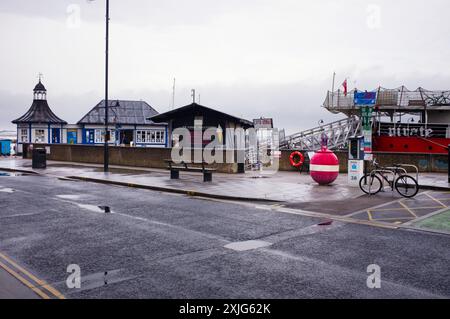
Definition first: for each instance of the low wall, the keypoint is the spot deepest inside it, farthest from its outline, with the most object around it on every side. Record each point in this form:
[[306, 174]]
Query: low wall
[[285, 164], [154, 158], [125, 156], [431, 163]]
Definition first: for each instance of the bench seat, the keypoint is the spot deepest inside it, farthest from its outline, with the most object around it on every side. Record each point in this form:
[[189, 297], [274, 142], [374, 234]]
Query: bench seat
[[175, 169]]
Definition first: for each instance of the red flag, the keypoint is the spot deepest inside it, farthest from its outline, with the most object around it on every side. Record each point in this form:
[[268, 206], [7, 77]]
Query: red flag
[[345, 87]]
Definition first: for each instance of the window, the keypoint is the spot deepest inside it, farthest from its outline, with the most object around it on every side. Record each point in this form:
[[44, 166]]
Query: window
[[140, 136], [100, 136], [24, 135], [150, 136], [39, 136]]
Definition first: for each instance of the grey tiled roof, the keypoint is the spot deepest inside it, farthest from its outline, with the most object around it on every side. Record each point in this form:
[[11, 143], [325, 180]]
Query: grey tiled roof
[[120, 112]]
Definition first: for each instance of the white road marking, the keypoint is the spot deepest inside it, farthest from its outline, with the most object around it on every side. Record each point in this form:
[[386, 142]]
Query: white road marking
[[247, 245]]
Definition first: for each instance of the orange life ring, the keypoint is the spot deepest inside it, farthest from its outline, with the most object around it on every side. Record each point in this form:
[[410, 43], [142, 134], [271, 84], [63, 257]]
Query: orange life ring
[[300, 162]]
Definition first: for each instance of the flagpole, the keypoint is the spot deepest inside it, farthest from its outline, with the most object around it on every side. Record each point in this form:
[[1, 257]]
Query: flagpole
[[332, 89]]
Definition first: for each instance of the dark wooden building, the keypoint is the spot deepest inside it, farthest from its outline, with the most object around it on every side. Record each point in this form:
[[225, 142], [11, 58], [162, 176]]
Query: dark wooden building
[[195, 116]]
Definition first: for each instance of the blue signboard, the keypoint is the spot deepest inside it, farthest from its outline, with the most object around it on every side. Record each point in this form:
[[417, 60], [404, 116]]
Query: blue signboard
[[365, 98]]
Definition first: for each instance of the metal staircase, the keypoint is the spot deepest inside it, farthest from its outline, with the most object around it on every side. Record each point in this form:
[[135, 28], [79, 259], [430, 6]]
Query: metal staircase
[[338, 133]]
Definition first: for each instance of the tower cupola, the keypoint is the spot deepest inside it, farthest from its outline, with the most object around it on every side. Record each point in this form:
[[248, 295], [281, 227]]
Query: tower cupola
[[39, 92]]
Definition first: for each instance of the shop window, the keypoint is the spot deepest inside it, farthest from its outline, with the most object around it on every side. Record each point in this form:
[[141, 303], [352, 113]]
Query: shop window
[[39, 136], [24, 135]]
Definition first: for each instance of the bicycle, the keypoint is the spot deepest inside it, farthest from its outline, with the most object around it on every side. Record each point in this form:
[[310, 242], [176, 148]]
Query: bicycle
[[406, 185]]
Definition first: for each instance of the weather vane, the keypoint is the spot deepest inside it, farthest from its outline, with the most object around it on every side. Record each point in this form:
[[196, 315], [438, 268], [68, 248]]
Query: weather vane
[[40, 75]]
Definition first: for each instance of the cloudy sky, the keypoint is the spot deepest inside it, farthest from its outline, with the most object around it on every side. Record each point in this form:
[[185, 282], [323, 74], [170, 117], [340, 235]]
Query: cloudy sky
[[250, 58]]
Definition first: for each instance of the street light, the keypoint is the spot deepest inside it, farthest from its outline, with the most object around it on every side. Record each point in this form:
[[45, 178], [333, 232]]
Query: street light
[[106, 150], [106, 139]]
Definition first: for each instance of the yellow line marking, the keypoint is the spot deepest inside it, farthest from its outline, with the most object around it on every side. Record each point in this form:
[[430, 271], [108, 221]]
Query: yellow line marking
[[370, 215], [39, 292], [394, 218], [408, 209], [402, 208], [437, 201], [40, 282], [429, 207], [443, 199]]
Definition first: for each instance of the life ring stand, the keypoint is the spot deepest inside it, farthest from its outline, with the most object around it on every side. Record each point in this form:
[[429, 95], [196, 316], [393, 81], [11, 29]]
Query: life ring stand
[[294, 163]]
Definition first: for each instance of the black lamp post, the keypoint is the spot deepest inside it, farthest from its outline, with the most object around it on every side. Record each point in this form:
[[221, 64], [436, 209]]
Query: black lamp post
[[106, 150]]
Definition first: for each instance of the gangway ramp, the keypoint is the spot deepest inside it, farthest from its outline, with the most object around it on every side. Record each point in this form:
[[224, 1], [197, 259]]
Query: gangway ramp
[[338, 133]]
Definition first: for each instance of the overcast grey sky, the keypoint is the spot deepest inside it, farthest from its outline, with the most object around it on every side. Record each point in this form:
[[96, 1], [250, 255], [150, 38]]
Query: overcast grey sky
[[249, 58]]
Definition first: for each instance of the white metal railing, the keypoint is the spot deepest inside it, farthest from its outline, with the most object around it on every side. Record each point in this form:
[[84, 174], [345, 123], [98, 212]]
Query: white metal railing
[[337, 132], [400, 98]]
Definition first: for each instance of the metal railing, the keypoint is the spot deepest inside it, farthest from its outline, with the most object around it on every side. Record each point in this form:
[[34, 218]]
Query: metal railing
[[337, 132], [400, 98]]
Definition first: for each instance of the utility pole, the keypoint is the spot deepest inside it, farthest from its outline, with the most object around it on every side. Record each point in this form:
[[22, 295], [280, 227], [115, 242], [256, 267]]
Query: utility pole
[[106, 150]]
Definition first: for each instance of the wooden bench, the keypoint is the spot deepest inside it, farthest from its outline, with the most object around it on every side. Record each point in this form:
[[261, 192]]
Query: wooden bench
[[175, 169]]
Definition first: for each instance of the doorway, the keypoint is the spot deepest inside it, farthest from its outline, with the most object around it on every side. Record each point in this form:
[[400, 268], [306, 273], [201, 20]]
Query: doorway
[[126, 137]]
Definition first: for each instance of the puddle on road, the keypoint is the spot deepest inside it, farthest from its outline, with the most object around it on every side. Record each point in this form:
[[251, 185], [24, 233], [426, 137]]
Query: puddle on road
[[7, 190], [96, 209], [68, 196], [12, 174], [100, 280]]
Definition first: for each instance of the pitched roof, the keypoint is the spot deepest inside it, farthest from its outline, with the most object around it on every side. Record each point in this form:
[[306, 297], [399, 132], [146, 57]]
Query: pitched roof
[[39, 112], [197, 108], [120, 112]]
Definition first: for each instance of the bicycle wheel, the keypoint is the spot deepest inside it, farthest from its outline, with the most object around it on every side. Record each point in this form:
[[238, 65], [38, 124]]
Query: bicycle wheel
[[406, 186], [370, 184]]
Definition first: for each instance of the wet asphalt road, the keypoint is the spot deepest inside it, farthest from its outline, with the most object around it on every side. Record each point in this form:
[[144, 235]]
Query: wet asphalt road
[[156, 245]]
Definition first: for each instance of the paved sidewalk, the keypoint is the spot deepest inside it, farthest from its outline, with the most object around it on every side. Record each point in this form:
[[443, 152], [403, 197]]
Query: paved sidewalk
[[434, 181], [281, 186]]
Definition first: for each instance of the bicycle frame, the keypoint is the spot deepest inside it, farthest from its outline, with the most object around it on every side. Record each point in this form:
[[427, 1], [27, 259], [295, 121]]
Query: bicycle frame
[[384, 178]]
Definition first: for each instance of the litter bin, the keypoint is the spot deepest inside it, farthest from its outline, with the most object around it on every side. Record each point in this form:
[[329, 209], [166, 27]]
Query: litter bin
[[39, 158]]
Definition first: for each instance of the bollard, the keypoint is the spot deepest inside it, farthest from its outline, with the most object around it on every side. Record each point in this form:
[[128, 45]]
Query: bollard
[[448, 164]]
